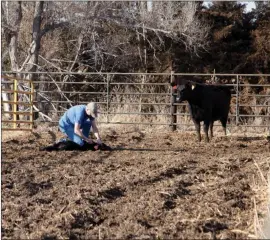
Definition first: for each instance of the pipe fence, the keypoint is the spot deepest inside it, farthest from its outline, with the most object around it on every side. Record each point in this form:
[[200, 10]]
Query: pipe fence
[[12, 105], [141, 98]]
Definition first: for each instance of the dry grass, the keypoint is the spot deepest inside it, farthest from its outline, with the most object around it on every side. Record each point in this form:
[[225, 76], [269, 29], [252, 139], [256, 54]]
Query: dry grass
[[8, 135], [263, 228], [261, 200], [160, 175]]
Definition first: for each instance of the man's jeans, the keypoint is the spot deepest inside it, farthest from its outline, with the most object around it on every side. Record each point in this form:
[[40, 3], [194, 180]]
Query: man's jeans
[[69, 131]]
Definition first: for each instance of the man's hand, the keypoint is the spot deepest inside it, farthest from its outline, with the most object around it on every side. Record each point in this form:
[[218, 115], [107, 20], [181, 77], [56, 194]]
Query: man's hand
[[88, 140], [96, 133], [99, 142]]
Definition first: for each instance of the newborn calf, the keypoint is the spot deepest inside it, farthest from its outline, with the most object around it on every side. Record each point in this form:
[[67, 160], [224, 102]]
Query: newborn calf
[[71, 146]]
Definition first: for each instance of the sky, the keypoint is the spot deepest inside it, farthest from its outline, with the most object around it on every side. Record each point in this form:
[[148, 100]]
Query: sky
[[249, 5]]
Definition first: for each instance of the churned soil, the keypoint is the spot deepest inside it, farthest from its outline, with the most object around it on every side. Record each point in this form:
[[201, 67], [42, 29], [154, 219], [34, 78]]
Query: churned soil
[[152, 185]]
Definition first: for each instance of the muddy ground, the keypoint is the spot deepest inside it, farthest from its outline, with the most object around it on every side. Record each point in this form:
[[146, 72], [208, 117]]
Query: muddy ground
[[153, 185]]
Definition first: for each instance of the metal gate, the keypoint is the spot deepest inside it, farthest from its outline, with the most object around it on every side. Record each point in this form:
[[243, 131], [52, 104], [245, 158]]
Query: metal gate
[[144, 98], [17, 104]]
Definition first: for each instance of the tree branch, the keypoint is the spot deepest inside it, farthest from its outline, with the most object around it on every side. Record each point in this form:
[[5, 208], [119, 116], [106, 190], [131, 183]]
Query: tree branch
[[50, 27], [58, 68]]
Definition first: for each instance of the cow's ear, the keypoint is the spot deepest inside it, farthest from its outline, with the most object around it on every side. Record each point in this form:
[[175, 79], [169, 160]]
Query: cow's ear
[[193, 86]]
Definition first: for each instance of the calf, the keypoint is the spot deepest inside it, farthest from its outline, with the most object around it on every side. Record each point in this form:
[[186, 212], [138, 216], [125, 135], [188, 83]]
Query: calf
[[206, 103], [71, 146]]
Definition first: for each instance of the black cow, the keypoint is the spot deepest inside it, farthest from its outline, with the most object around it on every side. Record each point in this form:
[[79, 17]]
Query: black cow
[[71, 146], [207, 103]]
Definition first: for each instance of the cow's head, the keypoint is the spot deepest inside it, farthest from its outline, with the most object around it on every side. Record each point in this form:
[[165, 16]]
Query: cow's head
[[184, 90]]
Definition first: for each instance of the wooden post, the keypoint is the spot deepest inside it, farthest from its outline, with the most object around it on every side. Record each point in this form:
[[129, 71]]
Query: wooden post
[[15, 96], [173, 106]]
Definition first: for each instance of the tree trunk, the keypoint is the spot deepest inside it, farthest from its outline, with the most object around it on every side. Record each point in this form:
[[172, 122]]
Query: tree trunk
[[34, 49], [11, 36], [36, 37], [6, 106]]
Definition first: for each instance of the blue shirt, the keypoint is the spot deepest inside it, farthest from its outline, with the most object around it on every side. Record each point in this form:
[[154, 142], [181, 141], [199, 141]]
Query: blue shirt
[[76, 114]]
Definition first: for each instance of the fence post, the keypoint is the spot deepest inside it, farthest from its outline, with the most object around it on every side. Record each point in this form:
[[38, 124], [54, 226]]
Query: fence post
[[173, 106], [141, 96], [108, 97], [237, 101], [15, 88], [31, 106]]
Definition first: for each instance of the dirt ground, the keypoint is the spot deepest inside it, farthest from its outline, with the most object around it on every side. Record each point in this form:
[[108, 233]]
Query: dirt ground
[[152, 185]]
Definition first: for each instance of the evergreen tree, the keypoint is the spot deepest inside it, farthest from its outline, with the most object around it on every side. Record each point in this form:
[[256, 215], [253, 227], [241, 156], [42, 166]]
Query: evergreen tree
[[230, 37], [259, 59]]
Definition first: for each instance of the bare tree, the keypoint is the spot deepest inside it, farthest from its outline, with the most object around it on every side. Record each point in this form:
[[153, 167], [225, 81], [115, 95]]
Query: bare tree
[[107, 33], [101, 36], [12, 14], [123, 32]]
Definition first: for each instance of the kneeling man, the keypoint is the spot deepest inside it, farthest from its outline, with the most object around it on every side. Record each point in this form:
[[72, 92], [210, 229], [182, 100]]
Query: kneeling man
[[77, 122]]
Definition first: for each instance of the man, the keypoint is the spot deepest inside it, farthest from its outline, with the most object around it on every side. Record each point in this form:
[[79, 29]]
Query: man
[[77, 122]]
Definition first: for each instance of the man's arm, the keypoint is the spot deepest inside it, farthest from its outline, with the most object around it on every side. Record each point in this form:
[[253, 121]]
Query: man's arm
[[96, 132], [78, 132]]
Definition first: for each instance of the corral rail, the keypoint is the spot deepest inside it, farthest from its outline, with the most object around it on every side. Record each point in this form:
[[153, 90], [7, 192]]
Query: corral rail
[[143, 98]]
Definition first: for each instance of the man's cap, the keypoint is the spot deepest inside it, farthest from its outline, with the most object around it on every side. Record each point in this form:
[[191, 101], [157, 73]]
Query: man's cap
[[92, 107]]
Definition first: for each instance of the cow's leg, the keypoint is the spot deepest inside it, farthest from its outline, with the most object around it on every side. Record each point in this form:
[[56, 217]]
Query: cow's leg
[[198, 129], [223, 123], [206, 128], [211, 129]]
